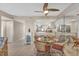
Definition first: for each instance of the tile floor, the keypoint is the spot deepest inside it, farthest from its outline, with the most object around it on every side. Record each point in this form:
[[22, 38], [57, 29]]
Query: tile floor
[[19, 48]]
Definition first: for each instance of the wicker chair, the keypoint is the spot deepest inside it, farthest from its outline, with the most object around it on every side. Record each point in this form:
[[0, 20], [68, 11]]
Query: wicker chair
[[75, 41], [57, 49], [42, 48]]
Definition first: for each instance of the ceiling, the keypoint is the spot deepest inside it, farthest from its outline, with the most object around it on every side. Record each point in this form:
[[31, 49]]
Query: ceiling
[[27, 9], [73, 10]]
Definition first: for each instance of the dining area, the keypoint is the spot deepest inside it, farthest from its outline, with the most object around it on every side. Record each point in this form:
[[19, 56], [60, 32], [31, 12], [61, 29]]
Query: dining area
[[50, 46], [56, 39], [53, 32]]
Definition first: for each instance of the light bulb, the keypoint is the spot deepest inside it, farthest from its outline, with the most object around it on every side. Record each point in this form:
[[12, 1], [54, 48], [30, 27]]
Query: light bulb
[[46, 11]]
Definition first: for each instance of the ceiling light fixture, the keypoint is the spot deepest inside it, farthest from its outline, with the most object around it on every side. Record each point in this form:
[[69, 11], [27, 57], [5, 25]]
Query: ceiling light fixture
[[46, 12]]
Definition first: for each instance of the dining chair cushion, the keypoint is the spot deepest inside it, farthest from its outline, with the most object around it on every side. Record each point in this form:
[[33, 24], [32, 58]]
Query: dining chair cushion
[[57, 47]]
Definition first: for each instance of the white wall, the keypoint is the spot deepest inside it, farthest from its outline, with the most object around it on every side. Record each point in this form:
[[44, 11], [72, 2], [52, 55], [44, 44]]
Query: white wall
[[7, 28], [73, 24], [78, 25], [29, 22], [68, 21], [18, 31], [0, 25], [4, 15]]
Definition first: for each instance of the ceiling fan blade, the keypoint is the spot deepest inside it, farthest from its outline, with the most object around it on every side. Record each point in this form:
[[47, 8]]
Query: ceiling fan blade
[[45, 6], [39, 11], [52, 9]]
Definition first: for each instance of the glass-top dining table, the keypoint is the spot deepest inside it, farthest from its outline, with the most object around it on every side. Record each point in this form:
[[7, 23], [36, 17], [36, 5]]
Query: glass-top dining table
[[45, 44]]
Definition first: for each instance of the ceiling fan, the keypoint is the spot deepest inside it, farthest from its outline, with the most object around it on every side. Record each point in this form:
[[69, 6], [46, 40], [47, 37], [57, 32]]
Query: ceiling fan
[[46, 9]]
